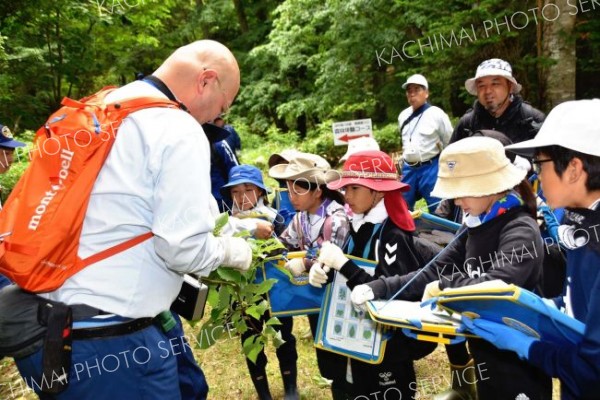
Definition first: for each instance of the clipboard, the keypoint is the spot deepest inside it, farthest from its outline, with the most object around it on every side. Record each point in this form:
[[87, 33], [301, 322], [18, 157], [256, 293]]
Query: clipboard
[[289, 297], [426, 221], [421, 323], [513, 306], [343, 330]]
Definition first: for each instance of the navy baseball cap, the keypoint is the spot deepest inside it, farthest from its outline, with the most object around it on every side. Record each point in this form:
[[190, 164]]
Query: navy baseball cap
[[244, 174], [6, 138]]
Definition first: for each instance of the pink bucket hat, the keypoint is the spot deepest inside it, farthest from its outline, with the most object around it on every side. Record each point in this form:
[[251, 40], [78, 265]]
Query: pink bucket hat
[[373, 169]]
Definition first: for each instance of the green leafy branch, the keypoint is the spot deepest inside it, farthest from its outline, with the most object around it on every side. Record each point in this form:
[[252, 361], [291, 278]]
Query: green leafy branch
[[237, 299]]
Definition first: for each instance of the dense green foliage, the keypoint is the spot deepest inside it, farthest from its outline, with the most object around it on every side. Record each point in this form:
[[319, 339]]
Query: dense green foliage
[[238, 301], [305, 63]]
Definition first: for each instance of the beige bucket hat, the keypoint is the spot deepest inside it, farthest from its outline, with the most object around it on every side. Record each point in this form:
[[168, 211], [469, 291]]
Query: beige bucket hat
[[475, 167], [282, 157], [305, 167]]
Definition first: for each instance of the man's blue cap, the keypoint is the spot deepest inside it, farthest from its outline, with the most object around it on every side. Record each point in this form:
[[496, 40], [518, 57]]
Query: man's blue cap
[[244, 174], [6, 138]]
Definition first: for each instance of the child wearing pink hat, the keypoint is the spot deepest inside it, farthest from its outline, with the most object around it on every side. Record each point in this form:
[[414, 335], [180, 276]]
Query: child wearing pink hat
[[381, 229]]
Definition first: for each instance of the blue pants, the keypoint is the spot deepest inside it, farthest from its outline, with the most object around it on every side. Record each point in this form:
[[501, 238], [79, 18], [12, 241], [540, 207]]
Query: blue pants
[[421, 180], [141, 365], [4, 281], [192, 382]]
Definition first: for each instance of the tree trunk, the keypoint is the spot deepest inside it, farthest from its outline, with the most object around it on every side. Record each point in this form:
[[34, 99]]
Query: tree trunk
[[239, 9], [559, 46]]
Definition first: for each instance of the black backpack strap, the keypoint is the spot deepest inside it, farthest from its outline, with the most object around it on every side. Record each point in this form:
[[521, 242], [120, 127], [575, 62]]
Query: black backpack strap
[[56, 356]]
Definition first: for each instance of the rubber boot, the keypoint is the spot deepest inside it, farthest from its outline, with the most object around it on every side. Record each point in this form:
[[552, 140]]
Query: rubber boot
[[338, 394], [464, 383], [290, 388], [261, 384]]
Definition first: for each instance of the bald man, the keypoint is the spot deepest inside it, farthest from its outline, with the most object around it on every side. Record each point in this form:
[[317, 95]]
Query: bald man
[[156, 178]]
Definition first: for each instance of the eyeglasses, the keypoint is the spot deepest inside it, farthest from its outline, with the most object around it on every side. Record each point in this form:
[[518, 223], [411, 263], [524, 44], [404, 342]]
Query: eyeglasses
[[536, 164], [414, 89], [227, 106]]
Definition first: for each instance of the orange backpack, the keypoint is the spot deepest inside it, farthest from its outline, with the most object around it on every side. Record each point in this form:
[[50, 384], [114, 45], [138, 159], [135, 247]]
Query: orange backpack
[[42, 219]]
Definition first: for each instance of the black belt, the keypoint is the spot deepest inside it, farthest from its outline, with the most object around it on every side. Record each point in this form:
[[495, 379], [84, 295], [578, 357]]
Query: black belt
[[421, 163], [112, 330]]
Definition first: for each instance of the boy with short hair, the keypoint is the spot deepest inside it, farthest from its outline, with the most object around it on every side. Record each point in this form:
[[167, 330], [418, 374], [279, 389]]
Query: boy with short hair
[[567, 160]]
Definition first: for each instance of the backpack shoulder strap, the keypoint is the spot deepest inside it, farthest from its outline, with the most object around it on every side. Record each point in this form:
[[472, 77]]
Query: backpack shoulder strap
[[111, 251]]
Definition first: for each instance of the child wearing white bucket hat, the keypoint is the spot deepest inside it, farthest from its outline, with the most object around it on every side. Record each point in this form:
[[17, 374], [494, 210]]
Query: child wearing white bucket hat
[[500, 221]]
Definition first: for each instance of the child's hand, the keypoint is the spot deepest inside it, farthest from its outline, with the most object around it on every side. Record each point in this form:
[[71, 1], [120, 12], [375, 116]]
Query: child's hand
[[264, 230], [431, 290], [332, 256], [318, 275], [360, 295], [295, 266]]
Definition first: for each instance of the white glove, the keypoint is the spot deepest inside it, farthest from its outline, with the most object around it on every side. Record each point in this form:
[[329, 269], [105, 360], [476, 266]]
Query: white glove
[[296, 266], [431, 290], [318, 275], [237, 253], [360, 295], [332, 256]]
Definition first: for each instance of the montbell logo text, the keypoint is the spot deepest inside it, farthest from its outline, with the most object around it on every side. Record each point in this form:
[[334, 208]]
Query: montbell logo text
[[66, 157]]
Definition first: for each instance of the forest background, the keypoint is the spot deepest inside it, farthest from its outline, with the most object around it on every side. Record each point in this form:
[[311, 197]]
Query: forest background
[[304, 63]]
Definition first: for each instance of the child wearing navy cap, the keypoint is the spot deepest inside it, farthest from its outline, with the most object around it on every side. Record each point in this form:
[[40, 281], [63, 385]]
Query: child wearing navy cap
[[7, 148], [251, 212]]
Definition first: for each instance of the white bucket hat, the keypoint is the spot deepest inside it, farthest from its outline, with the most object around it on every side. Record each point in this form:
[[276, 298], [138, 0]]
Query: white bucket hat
[[416, 79], [475, 167], [360, 144], [572, 125], [492, 67]]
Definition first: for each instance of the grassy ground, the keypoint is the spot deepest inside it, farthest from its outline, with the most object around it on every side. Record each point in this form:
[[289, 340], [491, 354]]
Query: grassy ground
[[228, 378]]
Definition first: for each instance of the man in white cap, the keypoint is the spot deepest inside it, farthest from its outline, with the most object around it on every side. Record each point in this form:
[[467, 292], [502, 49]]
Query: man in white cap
[[425, 131], [498, 105]]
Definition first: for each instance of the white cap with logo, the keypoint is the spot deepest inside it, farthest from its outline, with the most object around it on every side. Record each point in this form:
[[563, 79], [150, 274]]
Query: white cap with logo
[[572, 125]]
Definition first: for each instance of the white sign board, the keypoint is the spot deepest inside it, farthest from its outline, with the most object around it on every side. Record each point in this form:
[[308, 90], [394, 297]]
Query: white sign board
[[343, 132]]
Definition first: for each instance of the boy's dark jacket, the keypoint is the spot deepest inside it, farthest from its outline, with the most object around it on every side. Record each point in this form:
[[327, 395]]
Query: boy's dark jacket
[[578, 366], [520, 121]]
